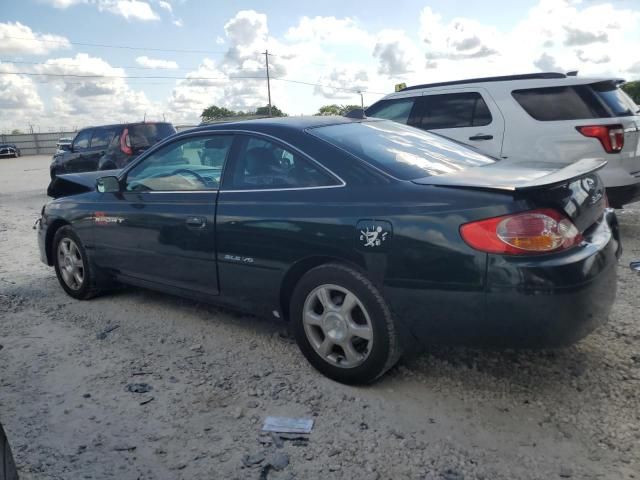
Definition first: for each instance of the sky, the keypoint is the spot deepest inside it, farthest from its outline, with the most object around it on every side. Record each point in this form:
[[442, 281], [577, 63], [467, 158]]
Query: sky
[[65, 64]]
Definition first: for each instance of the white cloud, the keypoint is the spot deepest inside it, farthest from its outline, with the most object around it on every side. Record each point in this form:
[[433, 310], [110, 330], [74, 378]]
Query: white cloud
[[546, 63], [16, 39], [166, 6], [462, 38], [178, 22], [92, 90], [17, 92], [129, 9], [396, 53], [63, 3], [145, 61], [328, 30], [342, 83]]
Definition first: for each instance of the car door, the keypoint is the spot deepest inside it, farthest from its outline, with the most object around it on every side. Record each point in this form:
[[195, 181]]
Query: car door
[[271, 211], [467, 115], [100, 140], [75, 158], [160, 228]]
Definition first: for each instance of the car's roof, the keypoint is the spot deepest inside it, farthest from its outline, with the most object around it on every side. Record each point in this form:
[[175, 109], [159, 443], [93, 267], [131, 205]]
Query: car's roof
[[126, 124], [288, 123], [508, 82]]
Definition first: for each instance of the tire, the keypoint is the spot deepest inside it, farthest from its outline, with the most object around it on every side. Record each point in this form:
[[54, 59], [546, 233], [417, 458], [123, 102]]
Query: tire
[[318, 318], [7, 465], [76, 274]]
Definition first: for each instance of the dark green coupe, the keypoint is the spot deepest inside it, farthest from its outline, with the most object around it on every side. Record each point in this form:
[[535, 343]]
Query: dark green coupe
[[369, 237]]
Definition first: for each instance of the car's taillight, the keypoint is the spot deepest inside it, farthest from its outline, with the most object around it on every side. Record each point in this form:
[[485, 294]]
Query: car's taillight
[[125, 144], [536, 231], [611, 136]]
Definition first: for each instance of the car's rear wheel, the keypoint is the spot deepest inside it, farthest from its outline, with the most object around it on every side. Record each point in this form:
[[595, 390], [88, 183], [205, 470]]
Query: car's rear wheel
[[77, 276], [7, 465], [342, 324]]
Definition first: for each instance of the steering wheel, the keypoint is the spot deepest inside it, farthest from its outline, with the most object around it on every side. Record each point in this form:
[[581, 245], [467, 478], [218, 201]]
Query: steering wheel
[[197, 176]]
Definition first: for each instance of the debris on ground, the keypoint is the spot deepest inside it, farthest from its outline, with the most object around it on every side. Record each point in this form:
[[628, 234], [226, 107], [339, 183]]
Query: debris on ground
[[103, 334], [287, 425], [138, 387]]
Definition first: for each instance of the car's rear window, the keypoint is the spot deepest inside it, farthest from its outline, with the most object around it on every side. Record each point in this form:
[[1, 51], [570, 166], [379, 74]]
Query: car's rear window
[[615, 98], [574, 102], [405, 152], [147, 134]]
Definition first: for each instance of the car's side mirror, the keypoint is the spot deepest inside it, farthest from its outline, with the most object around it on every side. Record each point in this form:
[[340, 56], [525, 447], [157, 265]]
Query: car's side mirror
[[66, 148], [108, 184]]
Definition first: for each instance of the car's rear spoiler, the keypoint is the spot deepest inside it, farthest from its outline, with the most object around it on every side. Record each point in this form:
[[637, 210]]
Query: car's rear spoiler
[[515, 176]]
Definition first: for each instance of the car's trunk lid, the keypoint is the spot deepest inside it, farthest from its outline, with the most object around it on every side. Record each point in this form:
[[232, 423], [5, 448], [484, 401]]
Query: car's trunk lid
[[574, 188]]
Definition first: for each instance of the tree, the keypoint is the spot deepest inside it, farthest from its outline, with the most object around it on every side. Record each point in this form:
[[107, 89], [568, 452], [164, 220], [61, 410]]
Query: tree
[[275, 111], [633, 90], [16, 131], [214, 112], [335, 109]]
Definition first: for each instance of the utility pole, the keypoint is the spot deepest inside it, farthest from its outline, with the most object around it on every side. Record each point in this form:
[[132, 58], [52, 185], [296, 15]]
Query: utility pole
[[266, 60], [361, 99]]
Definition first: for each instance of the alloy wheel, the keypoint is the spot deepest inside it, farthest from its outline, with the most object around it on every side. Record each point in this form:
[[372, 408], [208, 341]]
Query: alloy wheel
[[70, 264], [338, 326]]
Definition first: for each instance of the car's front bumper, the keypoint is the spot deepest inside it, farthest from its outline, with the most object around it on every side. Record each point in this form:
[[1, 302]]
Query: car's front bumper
[[41, 231], [536, 301]]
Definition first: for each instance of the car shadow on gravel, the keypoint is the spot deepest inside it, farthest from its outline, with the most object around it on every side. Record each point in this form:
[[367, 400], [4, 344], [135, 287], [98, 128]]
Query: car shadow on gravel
[[527, 368]]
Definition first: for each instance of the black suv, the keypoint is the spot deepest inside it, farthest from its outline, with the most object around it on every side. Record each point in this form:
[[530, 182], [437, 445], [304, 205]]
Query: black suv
[[108, 147]]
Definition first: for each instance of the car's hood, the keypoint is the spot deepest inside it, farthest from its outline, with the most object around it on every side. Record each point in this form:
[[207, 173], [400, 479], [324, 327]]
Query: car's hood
[[515, 175], [75, 183]]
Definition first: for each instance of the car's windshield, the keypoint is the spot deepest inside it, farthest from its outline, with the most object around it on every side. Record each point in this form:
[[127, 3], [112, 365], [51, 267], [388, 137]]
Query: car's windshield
[[404, 152]]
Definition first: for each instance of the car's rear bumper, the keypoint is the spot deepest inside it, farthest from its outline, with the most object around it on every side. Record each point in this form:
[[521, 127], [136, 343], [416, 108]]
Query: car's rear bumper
[[542, 301]]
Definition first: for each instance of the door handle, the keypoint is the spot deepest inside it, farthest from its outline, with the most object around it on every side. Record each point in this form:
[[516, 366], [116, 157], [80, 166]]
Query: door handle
[[481, 136], [196, 222]]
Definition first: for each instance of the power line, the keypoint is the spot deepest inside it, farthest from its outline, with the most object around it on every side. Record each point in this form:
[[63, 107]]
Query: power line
[[352, 90], [157, 77], [105, 45], [21, 62], [75, 75]]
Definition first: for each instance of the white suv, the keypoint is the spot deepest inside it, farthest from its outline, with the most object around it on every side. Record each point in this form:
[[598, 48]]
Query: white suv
[[549, 117]]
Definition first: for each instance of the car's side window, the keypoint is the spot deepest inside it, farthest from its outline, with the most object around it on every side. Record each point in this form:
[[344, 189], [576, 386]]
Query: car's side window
[[397, 110], [81, 142], [102, 137], [187, 164], [452, 110], [263, 164]]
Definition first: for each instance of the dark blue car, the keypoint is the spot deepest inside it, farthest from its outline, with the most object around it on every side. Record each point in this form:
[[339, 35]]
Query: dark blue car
[[368, 236]]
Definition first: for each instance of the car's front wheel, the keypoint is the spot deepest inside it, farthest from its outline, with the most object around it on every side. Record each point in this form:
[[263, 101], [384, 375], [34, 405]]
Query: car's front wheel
[[76, 274], [343, 325]]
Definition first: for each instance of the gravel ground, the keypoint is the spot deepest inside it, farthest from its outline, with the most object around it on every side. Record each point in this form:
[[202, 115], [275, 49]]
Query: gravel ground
[[452, 414]]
